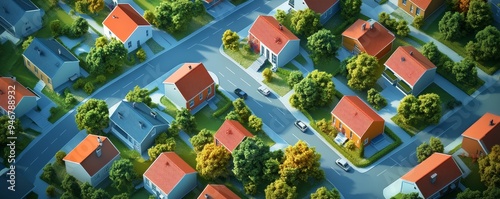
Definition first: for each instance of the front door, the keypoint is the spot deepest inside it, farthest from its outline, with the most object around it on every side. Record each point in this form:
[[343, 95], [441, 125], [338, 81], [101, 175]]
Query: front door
[[138, 43]]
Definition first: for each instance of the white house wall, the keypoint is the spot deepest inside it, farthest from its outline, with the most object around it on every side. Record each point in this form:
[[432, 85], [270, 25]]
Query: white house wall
[[65, 71], [409, 187], [77, 171], [26, 104], [290, 51], [299, 5], [138, 35], [173, 94], [185, 185], [424, 81], [157, 192]]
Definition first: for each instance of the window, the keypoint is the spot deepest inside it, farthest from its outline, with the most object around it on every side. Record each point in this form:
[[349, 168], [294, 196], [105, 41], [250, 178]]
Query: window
[[48, 81], [209, 90], [340, 125], [191, 103], [36, 70], [334, 121], [365, 142], [350, 135], [274, 58], [109, 32], [201, 96], [129, 44], [411, 8], [147, 33], [417, 11], [29, 27], [404, 2], [291, 3]]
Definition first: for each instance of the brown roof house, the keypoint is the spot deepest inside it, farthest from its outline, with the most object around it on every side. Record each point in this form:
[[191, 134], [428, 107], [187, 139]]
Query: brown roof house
[[91, 159], [230, 134], [481, 136], [24, 99], [409, 70], [217, 191], [432, 178], [191, 86], [420, 7], [369, 36], [326, 8], [170, 177]]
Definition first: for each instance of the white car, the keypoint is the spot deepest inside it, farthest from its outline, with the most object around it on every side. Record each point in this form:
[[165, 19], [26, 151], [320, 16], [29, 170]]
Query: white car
[[301, 125], [264, 90], [342, 164]]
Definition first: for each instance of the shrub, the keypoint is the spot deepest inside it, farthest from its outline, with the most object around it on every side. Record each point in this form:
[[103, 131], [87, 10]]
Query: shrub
[[349, 145], [49, 174], [100, 79], [88, 88], [79, 83], [247, 48], [51, 191], [294, 77], [141, 55], [53, 110], [326, 127], [250, 188], [418, 22], [267, 74], [69, 99], [56, 27], [59, 157]]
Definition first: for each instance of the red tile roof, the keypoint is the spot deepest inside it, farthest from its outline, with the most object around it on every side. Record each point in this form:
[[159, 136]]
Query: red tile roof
[[355, 114], [19, 91], [85, 153], [320, 6], [217, 191], [190, 79], [443, 165], [231, 133], [267, 30], [482, 130], [422, 4], [372, 40], [123, 21], [168, 170], [409, 64]]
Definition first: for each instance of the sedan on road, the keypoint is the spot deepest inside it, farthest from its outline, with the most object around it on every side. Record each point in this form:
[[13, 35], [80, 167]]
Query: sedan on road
[[240, 93], [264, 90], [342, 164], [301, 125]]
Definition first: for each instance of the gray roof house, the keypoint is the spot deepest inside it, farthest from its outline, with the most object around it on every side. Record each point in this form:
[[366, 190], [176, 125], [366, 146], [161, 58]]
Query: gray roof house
[[495, 9], [19, 18], [51, 62], [136, 125]]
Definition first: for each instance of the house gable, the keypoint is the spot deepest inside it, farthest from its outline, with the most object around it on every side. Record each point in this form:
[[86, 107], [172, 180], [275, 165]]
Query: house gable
[[268, 31], [123, 21], [183, 80], [357, 115], [373, 36], [409, 64], [230, 134], [486, 130]]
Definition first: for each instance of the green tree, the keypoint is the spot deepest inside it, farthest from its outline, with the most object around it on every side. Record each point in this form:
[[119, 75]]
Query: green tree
[[156, 150], [487, 45], [163, 16], [361, 73], [249, 160], [418, 21], [121, 196], [79, 27], [271, 169], [451, 25], [100, 194], [48, 174], [424, 151], [280, 16], [213, 161], [432, 53], [402, 28], [139, 95], [53, 3], [27, 42], [92, 116], [185, 120], [89, 87], [294, 77], [322, 45], [491, 193], [324, 193], [375, 99], [182, 13], [71, 185], [199, 8], [100, 79], [150, 17], [267, 73], [68, 195], [232, 115], [82, 6], [465, 72], [87, 190], [280, 189], [429, 108], [51, 191], [383, 18], [469, 194], [141, 55], [305, 94], [325, 87], [255, 123], [201, 139], [95, 5], [57, 28], [59, 157], [304, 160], [242, 109], [349, 9], [489, 168], [349, 145], [231, 40], [122, 174], [436, 145], [107, 58], [479, 15], [326, 127], [413, 195], [408, 110], [305, 22]]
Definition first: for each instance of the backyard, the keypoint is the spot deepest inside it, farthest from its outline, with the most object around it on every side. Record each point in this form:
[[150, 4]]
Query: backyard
[[140, 165], [244, 57], [278, 82], [473, 180]]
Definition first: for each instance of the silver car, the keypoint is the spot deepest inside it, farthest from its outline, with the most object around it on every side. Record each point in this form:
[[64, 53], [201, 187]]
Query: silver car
[[264, 90], [342, 164], [301, 125]]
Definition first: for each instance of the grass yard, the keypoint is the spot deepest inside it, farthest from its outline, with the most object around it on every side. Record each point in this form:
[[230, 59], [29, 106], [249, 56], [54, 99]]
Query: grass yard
[[100, 16], [452, 151], [205, 120], [140, 165], [279, 81], [416, 40], [299, 58], [148, 4], [323, 112], [154, 46], [140, 194], [24, 139], [473, 180], [469, 89], [443, 95], [243, 57], [331, 66], [50, 15], [170, 108], [61, 106], [196, 23], [410, 130], [13, 65]]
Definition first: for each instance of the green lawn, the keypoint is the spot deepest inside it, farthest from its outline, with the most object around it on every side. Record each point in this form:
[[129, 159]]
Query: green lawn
[[443, 95], [323, 112], [205, 120], [50, 15], [61, 106], [403, 86], [13, 65], [241, 56], [278, 83], [140, 194], [154, 46], [148, 4], [140, 165], [390, 75], [170, 108], [473, 180], [331, 66], [299, 58], [100, 16], [410, 130], [469, 89], [452, 151], [24, 138]]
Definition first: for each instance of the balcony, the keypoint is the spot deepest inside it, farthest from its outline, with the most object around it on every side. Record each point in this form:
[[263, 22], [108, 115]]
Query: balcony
[[390, 76], [405, 88]]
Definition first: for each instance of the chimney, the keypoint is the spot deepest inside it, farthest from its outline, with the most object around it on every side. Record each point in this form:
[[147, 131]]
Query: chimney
[[433, 178], [114, 17], [371, 26], [59, 50], [207, 196], [491, 122], [189, 67], [99, 140], [228, 131], [402, 58], [411, 53], [153, 114], [281, 26], [363, 27], [166, 163], [141, 124]]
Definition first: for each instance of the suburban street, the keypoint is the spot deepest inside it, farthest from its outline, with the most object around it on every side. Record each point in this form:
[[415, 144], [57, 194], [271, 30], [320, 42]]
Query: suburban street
[[204, 47]]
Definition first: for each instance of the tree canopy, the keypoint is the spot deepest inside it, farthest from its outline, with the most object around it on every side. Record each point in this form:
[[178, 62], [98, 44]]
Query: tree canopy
[[361, 72], [213, 161], [489, 168], [241, 108], [280, 189], [305, 22], [425, 150], [465, 72], [304, 160], [106, 57], [479, 14], [122, 174], [425, 108], [249, 160], [294, 77], [139, 95], [156, 150], [322, 45], [324, 193], [70, 185], [231, 40], [201, 139], [255, 123], [432, 53], [376, 99], [185, 120], [451, 25], [349, 9], [92, 116], [317, 89], [176, 15], [486, 46]]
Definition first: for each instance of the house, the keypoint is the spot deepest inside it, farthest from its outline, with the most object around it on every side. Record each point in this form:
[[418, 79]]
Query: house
[[128, 26], [495, 9], [432, 178], [91, 160], [356, 120], [51, 62], [272, 40], [24, 100], [217, 191], [481, 136], [326, 8], [19, 18], [170, 177], [422, 8], [183, 92], [136, 125], [369, 37], [409, 70], [230, 134]]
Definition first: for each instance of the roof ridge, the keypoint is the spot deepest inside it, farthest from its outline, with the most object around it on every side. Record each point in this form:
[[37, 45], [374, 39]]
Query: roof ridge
[[351, 97], [281, 32], [185, 74], [414, 58]]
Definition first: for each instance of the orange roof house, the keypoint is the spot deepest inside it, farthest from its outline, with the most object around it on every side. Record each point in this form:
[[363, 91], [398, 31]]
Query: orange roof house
[[481, 136], [432, 178], [91, 159], [128, 26], [420, 7], [191, 86], [230, 134], [408, 68], [326, 8], [369, 36], [24, 100], [169, 176], [217, 191], [356, 120], [273, 41]]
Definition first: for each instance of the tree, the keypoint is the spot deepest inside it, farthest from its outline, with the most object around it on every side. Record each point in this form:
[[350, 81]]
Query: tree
[[418, 21], [121, 196], [231, 40], [325, 87], [79, 27], [436, 145], [326, 127], [469, 194], [100, 194], [424, 151], [305, 22], [280, 189], [95, 5], [322, 45], [267, 73], [489, 168], [430, 108], [465, 72], [57, 28], [141, 55], [271, 169], [122, 174], [242, 109], [69, 99], [213, 161], [88, 87], [280, 16], [163, 16], [408, 110], [432, 53], [92, 116], [185, 120], [350, 9], [87, 190], [324, 193], [106, 57], [68, 195], [150, 17], [487, 45], [82, 6], [249, 160], [71, 185], [53, 3], [304, 159], [413, 195], [99, 79], [479, 15], [375, 99], [27, 42], [49, 173], [182, 13], [305, 94], [51, 191], [201, 139], [232, 115], [383, 18], [451, 25], [402, 28], [361, 72], [294, 77], [255, 123], [491, 193], [199, 8], [59, 157], [156, 150], [139, 95]]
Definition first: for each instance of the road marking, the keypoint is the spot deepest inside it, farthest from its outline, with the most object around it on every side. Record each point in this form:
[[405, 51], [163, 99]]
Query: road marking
[[204, 39], [230, 23], [381, 172], [281, 111], [34, 161], [245, 82], [302, 140], [127, 85], [230, 70], [270, 115], [231, 83], [139, 76], [45, 150], [191, 46], [255, 9], [335, 172], [216, 32], [269, 100], [115, 92], [277, 120], [395, 161], [62, 132], [53, 141], [445, 130], [221, 74], [240, 17], [258, 103]]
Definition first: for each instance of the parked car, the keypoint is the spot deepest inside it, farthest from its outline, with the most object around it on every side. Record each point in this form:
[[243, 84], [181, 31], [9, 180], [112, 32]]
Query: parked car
[[264, 90], [240, 93], [301, 125], [342, 164]]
